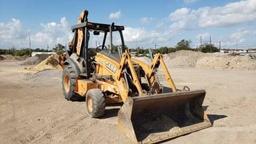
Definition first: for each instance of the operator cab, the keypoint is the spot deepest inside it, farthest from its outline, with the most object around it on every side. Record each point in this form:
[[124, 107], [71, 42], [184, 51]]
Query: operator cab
[[104, 38], [91, 38]]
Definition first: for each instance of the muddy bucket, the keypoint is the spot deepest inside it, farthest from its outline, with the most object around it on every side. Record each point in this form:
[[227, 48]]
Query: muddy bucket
[[155, 118]]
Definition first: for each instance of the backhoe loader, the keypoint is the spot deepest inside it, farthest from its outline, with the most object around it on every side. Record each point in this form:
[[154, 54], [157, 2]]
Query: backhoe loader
[[107, 74]]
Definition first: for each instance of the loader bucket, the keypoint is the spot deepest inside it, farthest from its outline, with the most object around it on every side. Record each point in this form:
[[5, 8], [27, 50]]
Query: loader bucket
[[155, 118]]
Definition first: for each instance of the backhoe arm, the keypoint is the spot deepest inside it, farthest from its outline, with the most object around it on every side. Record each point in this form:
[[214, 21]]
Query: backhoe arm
[[157, 61], [126, 60]]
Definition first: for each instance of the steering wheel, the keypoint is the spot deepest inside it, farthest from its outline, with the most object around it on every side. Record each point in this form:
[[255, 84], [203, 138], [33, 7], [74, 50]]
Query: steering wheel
[[98, 48]]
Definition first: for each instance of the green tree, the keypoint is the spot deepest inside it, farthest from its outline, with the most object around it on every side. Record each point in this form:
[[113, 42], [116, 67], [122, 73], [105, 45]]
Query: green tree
[[141, 51], [209, 48], [114, 48], [163, 50], [170, 50], [59, 48], [183, 45], [23, 52]]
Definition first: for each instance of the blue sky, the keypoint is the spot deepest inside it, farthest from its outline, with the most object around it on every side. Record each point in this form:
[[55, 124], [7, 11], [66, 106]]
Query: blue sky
[[147, 22]]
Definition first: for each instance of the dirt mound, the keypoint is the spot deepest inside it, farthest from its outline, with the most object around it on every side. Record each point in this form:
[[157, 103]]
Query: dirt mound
[[210, 60], [31, 61], [144, 59], [227, 62], [12, 58], [35, 59], [1, 57], [183, 58], [186, 53], [49, 63], [8, 57], [20, 58]]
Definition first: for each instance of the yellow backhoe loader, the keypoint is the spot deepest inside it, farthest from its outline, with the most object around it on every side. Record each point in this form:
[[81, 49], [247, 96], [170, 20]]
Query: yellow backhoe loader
[[151, 111]]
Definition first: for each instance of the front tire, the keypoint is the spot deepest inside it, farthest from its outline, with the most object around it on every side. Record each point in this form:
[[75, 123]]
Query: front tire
[[95, 103], [69, 76]]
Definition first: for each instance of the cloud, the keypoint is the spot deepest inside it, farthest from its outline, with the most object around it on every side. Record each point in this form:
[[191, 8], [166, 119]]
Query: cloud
[[182, 19], [115, 15], [135, 37], [52, 33], [230, 14], [240, 36], [134, 34], [13, 34]]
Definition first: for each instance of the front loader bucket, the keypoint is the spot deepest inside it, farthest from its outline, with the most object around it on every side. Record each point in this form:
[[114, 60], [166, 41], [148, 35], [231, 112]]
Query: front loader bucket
[[155, 118]]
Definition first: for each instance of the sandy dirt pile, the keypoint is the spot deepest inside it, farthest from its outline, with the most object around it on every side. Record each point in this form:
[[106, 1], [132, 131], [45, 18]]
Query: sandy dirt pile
[[12, 58], [193, 59], [50, 63], [8, 57], [35, 59], [183, 58], [144, 59], [227, 62], [1, 57]]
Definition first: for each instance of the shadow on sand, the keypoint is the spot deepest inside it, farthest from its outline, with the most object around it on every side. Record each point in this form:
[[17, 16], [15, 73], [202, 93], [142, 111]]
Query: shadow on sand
[[110, 113], [77, 99], [214, 117]]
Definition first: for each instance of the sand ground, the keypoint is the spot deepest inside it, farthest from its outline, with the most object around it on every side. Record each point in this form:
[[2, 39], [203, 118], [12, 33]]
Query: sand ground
[[33, 109]]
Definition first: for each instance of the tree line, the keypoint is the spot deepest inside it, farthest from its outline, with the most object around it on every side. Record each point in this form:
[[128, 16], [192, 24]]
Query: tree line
[[181, 45], [21, 52], [59, 48]]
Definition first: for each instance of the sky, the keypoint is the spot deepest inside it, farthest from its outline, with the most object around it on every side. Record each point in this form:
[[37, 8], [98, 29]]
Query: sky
[[147, 22]]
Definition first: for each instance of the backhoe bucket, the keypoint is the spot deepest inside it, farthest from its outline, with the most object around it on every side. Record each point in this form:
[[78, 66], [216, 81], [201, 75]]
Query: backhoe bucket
[[155, 118]]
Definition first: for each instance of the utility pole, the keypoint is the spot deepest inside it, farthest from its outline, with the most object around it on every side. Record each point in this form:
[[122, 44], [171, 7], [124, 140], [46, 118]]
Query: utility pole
[[236, 46], [210, 43], [201, 41], [219, 45], [210, 39], [29, 40]]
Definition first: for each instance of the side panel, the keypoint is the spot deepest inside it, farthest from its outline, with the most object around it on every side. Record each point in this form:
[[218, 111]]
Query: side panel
[[109, 67], [84, 85]]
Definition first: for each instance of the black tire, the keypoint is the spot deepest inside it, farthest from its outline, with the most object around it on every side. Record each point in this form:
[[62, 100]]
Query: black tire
[[95, 103], [69, 76]]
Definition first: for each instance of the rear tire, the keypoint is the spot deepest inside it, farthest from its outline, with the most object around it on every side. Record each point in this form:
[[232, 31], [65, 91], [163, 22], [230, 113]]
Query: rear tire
[[69, 76], [95, 103]]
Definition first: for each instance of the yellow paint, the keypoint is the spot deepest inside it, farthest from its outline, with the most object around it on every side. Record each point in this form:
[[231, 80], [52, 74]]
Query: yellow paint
[[110, 68], [84, 85]]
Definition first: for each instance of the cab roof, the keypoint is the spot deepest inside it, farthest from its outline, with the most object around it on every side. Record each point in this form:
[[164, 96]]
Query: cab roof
[[98, 26]]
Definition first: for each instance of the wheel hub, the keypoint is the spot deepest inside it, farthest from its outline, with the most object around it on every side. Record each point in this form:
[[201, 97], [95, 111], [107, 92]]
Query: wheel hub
[[89, 104], [66, 83]]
